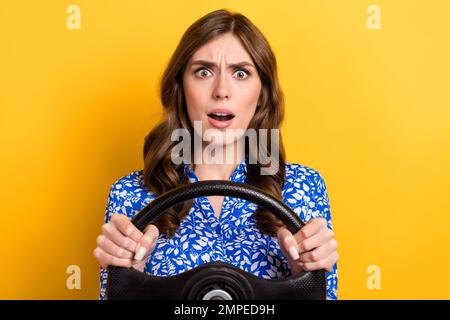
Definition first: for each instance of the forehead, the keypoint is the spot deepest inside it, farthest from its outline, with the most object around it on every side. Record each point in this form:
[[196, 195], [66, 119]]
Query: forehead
[[226, 46]]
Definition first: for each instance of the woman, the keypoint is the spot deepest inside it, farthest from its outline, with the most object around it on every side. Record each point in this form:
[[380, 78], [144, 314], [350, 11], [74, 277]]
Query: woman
[[222, 76]]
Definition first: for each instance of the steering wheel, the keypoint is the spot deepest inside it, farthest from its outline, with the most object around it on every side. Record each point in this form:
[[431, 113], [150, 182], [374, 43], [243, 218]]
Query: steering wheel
[[214, 280]]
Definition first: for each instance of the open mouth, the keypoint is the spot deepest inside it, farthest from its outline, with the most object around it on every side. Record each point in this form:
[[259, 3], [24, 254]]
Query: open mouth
[[220, 116]]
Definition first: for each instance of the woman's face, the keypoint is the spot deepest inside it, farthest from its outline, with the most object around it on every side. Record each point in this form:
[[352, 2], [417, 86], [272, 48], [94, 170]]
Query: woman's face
[[221, 75]]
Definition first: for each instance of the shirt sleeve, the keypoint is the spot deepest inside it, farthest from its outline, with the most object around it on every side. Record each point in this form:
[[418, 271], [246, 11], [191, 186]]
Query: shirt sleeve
[[319, 206]]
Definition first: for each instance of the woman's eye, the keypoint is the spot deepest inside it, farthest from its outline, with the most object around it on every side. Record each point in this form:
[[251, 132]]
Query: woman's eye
[[242, 74], [202, 72]]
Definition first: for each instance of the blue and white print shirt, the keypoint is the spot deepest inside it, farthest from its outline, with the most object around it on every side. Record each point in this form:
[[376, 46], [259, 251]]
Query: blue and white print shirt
[[233, 237]]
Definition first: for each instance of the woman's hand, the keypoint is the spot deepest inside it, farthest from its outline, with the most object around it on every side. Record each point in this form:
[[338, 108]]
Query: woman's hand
[[312, 248], [122, 244]]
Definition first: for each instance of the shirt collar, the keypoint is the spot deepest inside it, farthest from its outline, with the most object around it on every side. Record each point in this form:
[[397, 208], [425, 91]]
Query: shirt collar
[[239, 174]]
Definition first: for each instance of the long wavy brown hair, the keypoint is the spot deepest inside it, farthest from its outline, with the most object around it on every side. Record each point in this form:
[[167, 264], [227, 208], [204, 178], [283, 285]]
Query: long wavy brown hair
[[160, 173]]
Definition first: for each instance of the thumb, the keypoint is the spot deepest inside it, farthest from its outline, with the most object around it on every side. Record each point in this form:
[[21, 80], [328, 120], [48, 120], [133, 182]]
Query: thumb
[[287, 243], [147, 242]]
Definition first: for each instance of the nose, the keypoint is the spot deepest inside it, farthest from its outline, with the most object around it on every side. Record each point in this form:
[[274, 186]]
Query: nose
[[221, 89]]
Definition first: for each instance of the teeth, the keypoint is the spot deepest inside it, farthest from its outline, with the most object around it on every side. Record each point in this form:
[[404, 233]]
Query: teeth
[[220, 116]]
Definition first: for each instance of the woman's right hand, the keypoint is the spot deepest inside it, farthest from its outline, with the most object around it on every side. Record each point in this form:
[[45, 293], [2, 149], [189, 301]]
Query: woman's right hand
[[122, 244]]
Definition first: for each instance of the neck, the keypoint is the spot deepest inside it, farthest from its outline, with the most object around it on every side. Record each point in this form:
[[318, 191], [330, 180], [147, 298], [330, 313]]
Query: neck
[[220, 169]]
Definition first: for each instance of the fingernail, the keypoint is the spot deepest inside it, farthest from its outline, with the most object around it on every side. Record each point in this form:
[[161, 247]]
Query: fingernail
[[140, 253], [294, 253]]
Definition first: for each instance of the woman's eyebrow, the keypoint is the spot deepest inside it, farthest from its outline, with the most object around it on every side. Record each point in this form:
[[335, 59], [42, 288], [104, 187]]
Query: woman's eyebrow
[[211, 64]]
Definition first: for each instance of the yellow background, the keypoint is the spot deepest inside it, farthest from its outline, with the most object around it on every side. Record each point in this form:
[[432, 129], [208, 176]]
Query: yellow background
[[368, 109]]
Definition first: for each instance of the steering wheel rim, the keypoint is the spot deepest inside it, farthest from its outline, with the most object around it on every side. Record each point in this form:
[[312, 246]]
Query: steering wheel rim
[[129, 283]]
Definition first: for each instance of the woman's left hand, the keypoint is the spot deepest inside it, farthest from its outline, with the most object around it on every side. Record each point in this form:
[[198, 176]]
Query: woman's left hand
[[313, 247]]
